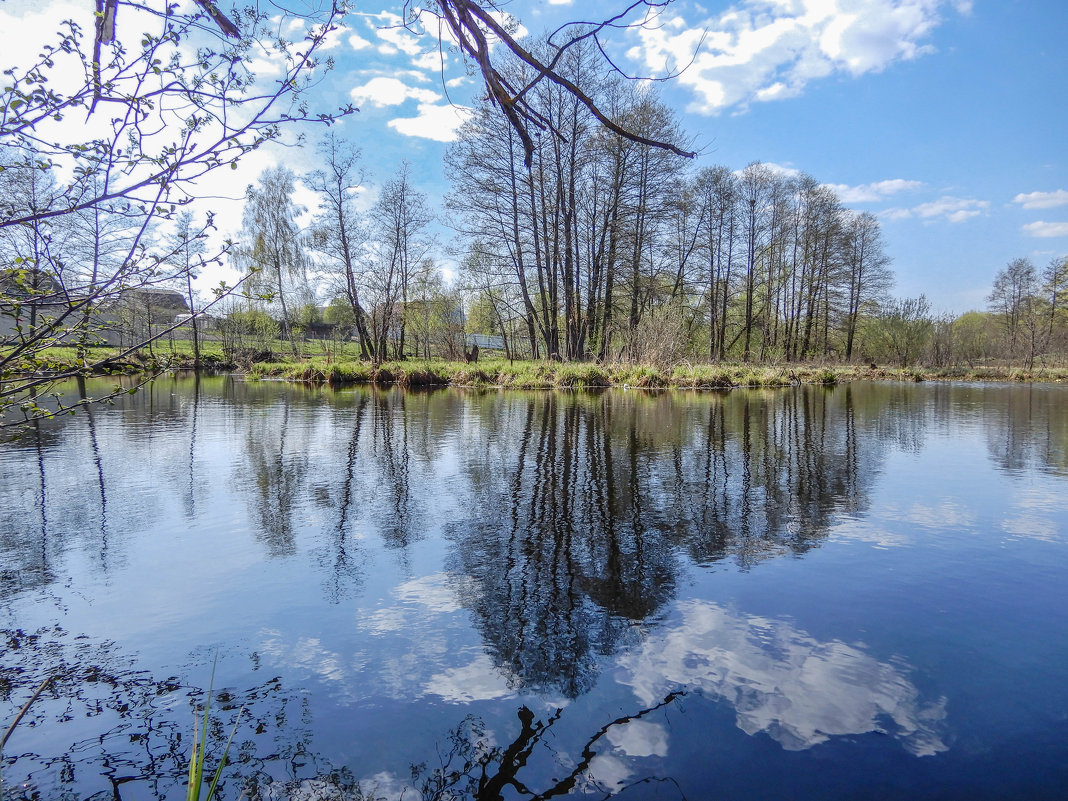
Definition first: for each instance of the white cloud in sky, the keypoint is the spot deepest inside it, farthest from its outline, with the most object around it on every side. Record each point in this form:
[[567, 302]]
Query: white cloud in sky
[[1046, 229], [390, 92], [437, 122], [763, 50], [399, 39], [873, 192], [950, 209], [357, 42], [785, 170], [1042, 200], [430, 60]]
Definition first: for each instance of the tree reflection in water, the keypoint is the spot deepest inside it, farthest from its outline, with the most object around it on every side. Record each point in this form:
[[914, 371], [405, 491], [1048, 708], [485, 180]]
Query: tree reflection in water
[[126, 733], [570, 523], [584, 504], [474, 768]]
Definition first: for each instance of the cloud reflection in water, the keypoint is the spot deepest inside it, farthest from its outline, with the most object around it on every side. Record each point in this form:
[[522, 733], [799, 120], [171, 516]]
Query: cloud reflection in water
[[781, 681]]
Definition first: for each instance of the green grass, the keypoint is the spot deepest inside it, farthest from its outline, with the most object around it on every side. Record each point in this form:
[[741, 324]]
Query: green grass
[[543, 374], [326, 368]]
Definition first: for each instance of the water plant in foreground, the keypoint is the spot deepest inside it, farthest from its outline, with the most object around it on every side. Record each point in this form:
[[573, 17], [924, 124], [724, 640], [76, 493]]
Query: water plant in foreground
[[200, 737]]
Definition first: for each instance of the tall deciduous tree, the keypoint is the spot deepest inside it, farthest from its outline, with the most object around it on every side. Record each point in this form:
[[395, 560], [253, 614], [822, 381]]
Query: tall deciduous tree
[[399, 219], [338, 232], [1012, 295], [187, 244], [273, 246], [867, 266]]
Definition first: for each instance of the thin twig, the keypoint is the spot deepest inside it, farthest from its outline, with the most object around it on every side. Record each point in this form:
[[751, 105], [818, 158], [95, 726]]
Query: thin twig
[[23, 711]]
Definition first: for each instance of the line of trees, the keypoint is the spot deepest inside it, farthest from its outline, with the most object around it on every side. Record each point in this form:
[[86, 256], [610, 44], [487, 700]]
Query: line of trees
[[374, 269], [606, 248]]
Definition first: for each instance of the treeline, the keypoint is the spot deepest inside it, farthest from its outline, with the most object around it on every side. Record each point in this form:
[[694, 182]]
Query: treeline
[[608, 248], [1026, 320]]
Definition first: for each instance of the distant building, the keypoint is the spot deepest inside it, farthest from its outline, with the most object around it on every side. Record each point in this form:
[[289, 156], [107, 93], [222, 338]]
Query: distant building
[[159, 306], [485, 341]]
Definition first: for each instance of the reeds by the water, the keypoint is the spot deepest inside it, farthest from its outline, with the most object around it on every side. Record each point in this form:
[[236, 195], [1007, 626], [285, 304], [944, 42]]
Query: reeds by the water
[[195, 783]]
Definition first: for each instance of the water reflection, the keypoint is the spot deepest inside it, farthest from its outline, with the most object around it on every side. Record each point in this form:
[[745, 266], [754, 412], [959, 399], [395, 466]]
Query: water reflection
[[783, 682], [276, 469], [477, 768], [123, 730], [488, 552], [582, 505], [620, 482]]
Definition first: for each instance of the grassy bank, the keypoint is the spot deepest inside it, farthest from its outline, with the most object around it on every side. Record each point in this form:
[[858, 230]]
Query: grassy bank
[[549, 375], [545, 375], [531, 374], [110, 361]]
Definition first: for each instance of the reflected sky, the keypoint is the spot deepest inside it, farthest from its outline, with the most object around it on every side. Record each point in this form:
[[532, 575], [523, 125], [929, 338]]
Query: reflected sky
[[838, 581], [781, 681]]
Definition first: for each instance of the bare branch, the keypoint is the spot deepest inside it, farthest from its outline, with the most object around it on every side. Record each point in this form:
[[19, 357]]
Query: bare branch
[[470, 22]]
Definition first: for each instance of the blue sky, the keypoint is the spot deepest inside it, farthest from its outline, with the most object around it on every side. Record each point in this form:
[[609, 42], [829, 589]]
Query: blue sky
[[947, 118]]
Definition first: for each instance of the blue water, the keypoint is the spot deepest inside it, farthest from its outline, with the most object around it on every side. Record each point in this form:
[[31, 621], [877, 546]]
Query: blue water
[[812, 593]]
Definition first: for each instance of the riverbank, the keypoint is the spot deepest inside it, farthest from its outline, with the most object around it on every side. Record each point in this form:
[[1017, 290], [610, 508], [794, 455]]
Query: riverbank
[[549, 375], [536, 374]]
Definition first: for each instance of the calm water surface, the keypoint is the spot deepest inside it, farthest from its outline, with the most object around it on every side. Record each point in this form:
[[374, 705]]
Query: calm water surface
[[810, 593]]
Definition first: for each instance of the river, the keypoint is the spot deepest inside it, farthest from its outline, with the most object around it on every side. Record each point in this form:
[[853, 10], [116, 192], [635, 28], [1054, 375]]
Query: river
[[805, 593]]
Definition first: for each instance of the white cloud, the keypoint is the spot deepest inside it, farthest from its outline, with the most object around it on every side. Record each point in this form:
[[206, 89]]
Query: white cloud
[[764, 50], [399, 39], [639, 738], [357, 42], [1042, 200], [950, 209], [784, 170], [1046, 229], [873, 192], [430, 60], [435, 592], [1037, 512], [510, 23], [390, 92], [437, 122], [798, 690]]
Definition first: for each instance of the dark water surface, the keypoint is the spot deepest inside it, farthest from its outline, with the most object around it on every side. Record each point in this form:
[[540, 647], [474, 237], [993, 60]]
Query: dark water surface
[[793, 594]]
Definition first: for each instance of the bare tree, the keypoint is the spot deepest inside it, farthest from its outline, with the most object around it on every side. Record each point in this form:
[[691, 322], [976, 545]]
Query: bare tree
[[475, 27], [337, 232], [1012, 296], [868, 269], [188, 245], [400, 219]]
